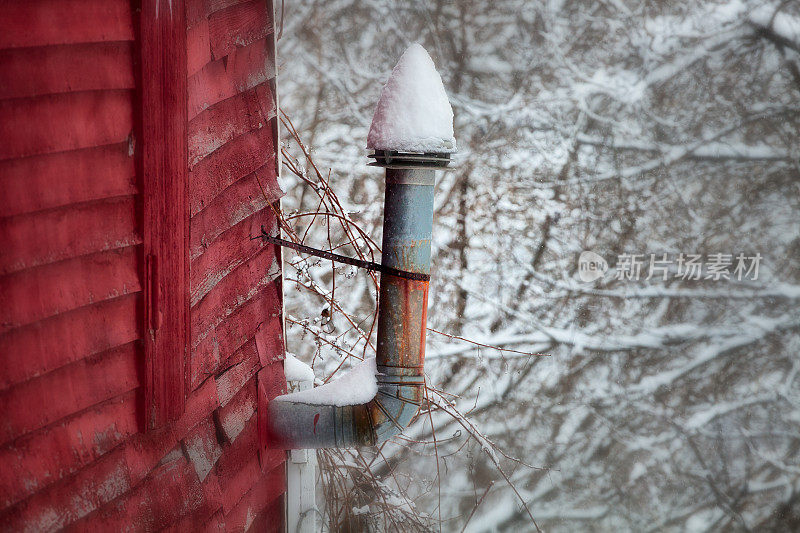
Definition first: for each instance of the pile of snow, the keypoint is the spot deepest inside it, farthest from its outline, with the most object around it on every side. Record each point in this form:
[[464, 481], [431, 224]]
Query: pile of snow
[[296, 370], [356, 387], [413, 113]]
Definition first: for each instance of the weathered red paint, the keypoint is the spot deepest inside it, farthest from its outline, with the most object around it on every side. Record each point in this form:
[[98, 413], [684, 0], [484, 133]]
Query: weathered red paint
[[215, 350], [165, 185], [242, 69], [198, 49], [116, 127], [238, 286], [35, 294], [229, 119], [48, 236], [82, 120], [237, 159], [270, 384], [229, 248], [50, 22], [59, 451], [67, 338], [81, 385], [233, 416], [237, 25], [65, 178], [64, 68]]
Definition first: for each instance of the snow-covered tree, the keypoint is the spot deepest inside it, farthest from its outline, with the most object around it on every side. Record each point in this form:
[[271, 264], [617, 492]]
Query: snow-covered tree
[[624, 127]]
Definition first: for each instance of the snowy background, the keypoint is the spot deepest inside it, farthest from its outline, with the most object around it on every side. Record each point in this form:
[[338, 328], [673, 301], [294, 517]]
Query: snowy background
[[617, 126]]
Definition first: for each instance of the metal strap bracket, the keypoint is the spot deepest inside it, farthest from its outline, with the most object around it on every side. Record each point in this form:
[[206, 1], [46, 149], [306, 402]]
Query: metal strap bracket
[[369, 265]]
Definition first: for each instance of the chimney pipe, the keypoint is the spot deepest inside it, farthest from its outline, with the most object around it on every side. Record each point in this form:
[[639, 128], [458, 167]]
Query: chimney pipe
[[407, 228], [411, 136]]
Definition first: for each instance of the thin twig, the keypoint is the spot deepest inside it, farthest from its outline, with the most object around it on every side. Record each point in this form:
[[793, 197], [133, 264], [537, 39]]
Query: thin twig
[[482, 345]]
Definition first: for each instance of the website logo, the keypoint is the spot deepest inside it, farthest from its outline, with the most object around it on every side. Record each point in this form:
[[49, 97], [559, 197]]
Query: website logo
[[591, 266]]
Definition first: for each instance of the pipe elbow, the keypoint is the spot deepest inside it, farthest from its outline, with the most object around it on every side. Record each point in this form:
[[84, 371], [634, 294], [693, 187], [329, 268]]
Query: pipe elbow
[[395, 405], [295, 425]]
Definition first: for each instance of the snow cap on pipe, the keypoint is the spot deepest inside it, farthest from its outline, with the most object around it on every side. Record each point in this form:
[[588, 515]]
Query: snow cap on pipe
[[413, 113], [355, 387]]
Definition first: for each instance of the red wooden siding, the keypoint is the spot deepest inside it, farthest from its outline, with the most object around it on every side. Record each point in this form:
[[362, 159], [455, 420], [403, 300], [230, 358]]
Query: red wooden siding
[[234, 284], [91, 158], [70, 284]]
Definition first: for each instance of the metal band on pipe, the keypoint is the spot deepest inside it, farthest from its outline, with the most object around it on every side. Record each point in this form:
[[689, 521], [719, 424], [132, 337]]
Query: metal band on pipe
[[369, 265]]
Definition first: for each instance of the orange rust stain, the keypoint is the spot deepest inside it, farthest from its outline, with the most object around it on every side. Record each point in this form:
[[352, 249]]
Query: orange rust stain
[[411, 338], [423, 323], [406, 287]]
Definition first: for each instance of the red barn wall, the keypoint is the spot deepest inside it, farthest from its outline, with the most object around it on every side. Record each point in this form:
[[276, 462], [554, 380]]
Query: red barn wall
[[73, 452]]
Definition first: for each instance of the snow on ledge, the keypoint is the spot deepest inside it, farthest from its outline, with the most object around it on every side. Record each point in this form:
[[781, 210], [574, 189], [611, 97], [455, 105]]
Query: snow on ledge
[[413, 113], [358, 386], [296, 370]]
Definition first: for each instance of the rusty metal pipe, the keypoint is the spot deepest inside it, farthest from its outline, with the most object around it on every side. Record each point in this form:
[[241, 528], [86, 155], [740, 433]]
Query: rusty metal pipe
[[407, 228]]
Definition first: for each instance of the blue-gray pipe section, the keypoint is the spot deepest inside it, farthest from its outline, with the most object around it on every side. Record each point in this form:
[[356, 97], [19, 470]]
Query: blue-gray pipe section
[[407, 229]]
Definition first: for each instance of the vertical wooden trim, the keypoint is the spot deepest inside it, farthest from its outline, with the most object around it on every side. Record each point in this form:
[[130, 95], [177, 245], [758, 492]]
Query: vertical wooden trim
[[276, 146], [164, 169]]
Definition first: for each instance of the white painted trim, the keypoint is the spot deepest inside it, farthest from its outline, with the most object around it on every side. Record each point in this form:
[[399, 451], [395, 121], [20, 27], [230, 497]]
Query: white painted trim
[[301, 479]]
